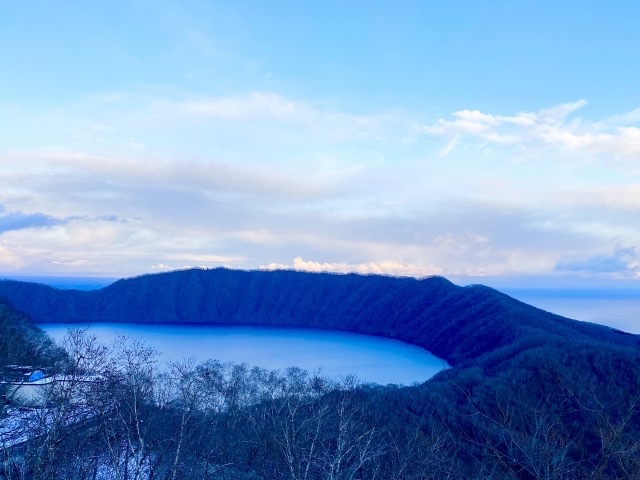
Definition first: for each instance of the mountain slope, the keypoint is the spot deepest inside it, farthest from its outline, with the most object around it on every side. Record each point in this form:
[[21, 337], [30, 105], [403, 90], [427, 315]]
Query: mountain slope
[[22, 342], [459, 324]]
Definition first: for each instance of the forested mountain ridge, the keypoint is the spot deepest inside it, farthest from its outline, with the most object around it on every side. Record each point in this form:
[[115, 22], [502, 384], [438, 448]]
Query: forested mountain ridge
[[459, 324], [22, 342]]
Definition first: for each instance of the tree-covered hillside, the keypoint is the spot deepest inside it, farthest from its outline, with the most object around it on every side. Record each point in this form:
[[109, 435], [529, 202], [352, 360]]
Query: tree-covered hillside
[[22, 342]]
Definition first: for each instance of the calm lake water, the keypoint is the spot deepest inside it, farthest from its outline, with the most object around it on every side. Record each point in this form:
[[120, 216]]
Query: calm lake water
[[335, 354]]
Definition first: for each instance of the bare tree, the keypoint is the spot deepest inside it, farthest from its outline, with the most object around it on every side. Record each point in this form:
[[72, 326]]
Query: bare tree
[[128, 428]]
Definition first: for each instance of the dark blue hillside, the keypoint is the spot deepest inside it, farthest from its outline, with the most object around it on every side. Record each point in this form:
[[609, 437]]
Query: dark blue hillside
[[459, 324]]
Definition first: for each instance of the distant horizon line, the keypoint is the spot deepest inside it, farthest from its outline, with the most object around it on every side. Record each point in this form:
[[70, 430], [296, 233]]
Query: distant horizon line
[[524, 280]]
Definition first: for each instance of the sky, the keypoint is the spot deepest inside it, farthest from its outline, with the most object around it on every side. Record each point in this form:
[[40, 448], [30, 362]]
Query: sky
[[472, 139]]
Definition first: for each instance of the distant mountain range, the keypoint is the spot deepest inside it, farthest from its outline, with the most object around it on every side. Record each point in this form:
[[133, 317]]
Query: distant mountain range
[[463, 325]]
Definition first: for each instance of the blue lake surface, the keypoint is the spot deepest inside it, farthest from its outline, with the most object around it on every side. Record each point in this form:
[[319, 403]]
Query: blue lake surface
[[333, 353]]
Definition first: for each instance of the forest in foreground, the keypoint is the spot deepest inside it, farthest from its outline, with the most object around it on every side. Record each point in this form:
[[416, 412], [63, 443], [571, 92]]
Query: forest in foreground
[[530, 395]]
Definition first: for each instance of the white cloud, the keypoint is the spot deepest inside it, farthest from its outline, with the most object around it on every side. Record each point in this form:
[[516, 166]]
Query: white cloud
[[379, 268], [203, 259], [72, 263], [624, 119], [160, 266], [10, 260], [545, 128], [622, 263], [616, 197], [253, 105], [266, 110], [117, 173]]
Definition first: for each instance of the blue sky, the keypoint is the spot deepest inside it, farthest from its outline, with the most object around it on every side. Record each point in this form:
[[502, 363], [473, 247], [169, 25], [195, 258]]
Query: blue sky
[[469, 138]]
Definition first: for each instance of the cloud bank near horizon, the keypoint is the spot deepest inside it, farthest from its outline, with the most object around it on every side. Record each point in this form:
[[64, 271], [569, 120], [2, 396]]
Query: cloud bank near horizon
[[477, 194]]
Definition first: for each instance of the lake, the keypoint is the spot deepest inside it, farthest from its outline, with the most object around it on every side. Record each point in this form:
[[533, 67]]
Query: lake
[[334, 353]]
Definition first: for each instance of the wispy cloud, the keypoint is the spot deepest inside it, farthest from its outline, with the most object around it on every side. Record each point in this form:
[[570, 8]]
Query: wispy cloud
[[269, 106], [550, 127], [269, 112], [623, 263], [11, 221], [18, 221], [253, 105], [210, 176]]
